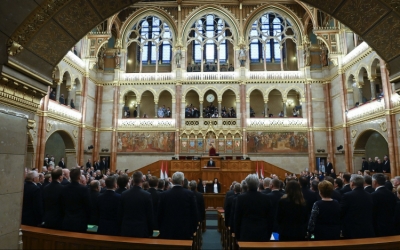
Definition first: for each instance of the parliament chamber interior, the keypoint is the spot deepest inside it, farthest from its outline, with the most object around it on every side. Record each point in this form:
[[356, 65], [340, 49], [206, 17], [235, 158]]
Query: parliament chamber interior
[[219, 91]]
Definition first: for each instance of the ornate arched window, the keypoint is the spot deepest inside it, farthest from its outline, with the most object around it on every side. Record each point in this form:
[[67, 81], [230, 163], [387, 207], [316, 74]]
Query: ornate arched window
[[153, 36], [267, 37], [209, 33]]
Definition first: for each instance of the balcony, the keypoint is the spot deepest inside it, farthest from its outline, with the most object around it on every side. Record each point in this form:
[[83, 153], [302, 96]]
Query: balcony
[[146, 123], [215, 123], [280, 123], [359, 50], [369, 108], [275, 75], [64, 111], [210, 76], [148, 76]]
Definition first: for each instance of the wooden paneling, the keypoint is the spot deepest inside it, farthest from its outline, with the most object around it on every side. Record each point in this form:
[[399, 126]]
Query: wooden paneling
[[214, 200], [41, 238]]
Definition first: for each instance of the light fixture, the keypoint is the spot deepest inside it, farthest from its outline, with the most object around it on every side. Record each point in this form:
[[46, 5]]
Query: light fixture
[[339, 148], [90, 147], [289, 102], [129, 61]]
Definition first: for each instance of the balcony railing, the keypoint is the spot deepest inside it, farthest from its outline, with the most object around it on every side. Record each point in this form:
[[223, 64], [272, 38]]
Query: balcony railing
[[64, 111], [366, 109], [146, 123], [75, 59], [147, 76], [359, 50], [216, 123], [277, 122], [209, 76], [266, 75]]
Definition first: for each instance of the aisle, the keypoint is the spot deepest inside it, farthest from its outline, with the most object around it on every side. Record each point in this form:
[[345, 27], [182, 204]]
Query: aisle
[[211, 237]]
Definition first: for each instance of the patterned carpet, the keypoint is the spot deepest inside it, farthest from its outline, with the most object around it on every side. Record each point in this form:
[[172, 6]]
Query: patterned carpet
[[211, 237]]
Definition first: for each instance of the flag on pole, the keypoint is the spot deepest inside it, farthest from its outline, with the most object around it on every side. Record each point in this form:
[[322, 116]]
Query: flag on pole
[[262, 170], [162, 171], [257, 170], [166, 170]]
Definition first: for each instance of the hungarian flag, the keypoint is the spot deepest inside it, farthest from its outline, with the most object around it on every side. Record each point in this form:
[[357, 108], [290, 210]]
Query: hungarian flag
[[257, 171], [162, 171], [262, 171], [166, 171]]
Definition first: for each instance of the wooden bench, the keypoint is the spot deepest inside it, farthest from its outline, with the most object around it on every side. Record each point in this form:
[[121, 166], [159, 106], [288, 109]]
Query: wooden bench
[[392, 242], [42, 238]]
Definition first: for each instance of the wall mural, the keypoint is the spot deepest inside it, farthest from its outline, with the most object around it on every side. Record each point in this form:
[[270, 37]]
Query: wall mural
[[146, 142], [277, 142]]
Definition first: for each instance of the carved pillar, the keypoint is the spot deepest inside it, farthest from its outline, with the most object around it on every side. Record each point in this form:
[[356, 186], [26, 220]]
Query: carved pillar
[[266, 108], [42, 133], [218, 56], [329, 123], [373, 87], [281, 52], [58, 90], [219, 108], [201, 109], [243, 116], [360, 94], [156, 109], [390, 122], [173, 109], [284, 107], [178, 96], [114, 144], [138, 110], [310, 123], [346, 129], [140, 62], [97, 121], [81, 137]]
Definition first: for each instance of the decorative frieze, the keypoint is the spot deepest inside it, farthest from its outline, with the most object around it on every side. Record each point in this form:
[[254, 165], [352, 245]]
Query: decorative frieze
[[146, 123], [64, 111], [277, 123]]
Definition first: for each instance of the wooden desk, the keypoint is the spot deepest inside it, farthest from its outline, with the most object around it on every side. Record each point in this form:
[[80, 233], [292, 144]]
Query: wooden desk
[[216, 159]]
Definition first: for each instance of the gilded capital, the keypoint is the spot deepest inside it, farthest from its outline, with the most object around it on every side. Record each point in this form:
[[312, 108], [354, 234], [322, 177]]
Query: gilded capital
[[13, 48]]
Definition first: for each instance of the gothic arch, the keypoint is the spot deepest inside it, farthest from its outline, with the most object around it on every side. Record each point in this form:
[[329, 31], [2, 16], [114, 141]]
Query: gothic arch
[[221, 93], [57, 73], [310, 14], [150, 90], [252, 89], [374, 63], [126, 91], [219, 97], [198, 91], [168, 90], [363, 137], [67, 138], [77, 83], [295, 88], [359, 72], [211, 9], [141, 13], [281, 10]]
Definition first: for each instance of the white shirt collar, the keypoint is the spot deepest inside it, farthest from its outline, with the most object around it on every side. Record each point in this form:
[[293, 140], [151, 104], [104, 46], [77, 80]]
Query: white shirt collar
[[379, 187]]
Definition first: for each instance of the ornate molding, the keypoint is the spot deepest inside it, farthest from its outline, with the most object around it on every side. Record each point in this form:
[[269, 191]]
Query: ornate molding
[[146, 123], [64, 111], [13, 48], [277, 123], [364, 110]]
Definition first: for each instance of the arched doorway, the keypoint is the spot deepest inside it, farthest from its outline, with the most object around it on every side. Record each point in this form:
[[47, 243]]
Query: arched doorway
[[376, 80], [351, 97], [275, 104], [192, 107], [130, 105], [293, 106], [369, 144], [256, 104], [210, 103], [228, 104], [366, 86], [165, 102], [60, 144], [147, 105], [65, 87]]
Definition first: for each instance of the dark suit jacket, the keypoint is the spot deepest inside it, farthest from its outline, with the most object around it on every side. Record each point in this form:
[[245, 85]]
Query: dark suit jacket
[[345, 189], [65, 182], [266, 191], [371, 166], [53, 213], [389, 186], [386, 166], [32, 206], [136, 213], [218, 187], [274, 196], [88, 165], [356, 213], [336, 195], [211, 164], [61, 164], [103, 165], [378, 167], [177, 216], [108, 204], [328, 168], [369, 189], [253, 219], [364, 166], [202, 189], [96, 166], [383, 211], [76, 204], [93, 218], [155, 196], [228, 209], [310, 197], [200, 206], [120, 190], [292, 220]]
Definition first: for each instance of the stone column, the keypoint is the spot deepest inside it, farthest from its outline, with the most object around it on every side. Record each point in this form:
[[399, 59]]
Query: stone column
[[329, 123], [97, 121], [219, 108], [173, 109], [81, 140], [201, 109], [346, 129], [138, 110], [41, 135], [243, 116], [284, 107], [156, 109], [178, 119], [373, 87], [114, 144], [391, 123], [58, 90], [266, 108], [360, 94], [310, 122]]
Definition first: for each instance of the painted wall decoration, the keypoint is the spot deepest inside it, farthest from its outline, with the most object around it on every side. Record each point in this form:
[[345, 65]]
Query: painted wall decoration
[[277, 142], [146, 142]]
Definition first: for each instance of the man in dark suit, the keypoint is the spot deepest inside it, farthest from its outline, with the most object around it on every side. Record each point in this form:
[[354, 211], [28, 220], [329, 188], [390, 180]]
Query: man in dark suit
[[253, 219], [336, 195], [388, 183], [384, 206], [364, 165], [199, 201], [94, 192], [153, 182], [177, 211], [356, 211], [96, 165], [66, 177], [211, 163], [368, 184], [76, 204], [203, 188], [371, 165], [227, 195], [61, 163], [266, 184], [160, 185], [61, 99], [328, 167], [136, 210], [122, 182], [386, 165], [310, 196], [338, 184], [108, 205], [53, 214], [346, 181], [88, 164], [103, 166], [32, 206], [275, 196], [229, 204]]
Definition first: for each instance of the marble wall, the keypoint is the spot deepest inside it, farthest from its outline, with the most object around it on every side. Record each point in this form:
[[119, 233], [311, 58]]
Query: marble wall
[[136, 161], [292, 163]]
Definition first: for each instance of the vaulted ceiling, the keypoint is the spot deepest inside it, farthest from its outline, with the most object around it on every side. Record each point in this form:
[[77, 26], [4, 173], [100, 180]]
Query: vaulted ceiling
[[47, 29]]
